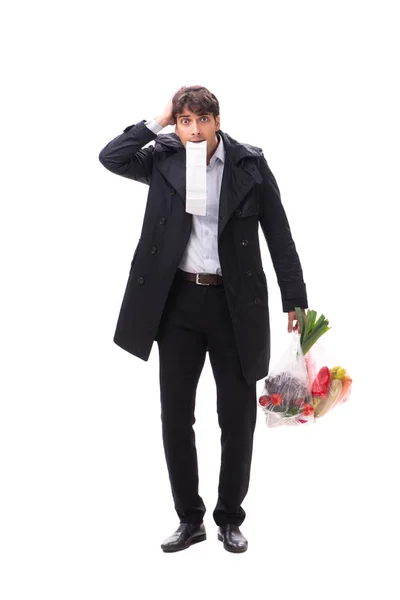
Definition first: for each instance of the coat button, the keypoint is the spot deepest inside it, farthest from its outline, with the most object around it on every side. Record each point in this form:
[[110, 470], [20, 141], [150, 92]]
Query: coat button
[[248, 272], [245, 242], [141, 279], [256, 300], [153, 250], [162, 220], [238, 212], [172, 192]]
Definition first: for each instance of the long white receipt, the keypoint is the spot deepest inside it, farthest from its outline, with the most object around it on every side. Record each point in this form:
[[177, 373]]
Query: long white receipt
[[196, 178]]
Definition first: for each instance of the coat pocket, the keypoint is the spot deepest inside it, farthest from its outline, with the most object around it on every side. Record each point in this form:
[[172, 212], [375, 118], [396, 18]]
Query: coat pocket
[[262, 288]]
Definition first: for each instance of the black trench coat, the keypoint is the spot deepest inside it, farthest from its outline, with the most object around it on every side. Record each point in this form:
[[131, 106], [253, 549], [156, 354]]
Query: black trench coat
[[249, 195]]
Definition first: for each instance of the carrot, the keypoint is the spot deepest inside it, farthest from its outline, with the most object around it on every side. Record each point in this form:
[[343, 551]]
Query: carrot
[[347, 381]]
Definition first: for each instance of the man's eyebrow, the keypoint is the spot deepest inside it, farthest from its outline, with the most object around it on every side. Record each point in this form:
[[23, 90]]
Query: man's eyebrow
[[188, 116]]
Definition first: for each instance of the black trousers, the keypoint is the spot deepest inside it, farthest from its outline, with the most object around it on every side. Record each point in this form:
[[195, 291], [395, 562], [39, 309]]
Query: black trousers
[[196, 318]]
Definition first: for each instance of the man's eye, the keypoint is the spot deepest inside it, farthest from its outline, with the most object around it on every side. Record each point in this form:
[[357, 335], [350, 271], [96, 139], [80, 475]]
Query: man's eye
[[184, 121], [205, 118]]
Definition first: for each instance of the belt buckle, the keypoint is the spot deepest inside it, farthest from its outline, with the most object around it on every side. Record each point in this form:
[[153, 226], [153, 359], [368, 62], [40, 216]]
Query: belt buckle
[[197, 280]]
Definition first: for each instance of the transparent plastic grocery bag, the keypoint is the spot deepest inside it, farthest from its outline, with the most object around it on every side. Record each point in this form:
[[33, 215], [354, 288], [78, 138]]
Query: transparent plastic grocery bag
[[330, 382], [286, 396]]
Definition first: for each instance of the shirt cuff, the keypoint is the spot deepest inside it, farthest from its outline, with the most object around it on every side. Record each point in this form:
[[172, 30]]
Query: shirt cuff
[[154, 126]]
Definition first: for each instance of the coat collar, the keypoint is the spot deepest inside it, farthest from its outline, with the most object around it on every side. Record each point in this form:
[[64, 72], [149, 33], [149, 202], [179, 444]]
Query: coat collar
[[239, 176], [235, 151]]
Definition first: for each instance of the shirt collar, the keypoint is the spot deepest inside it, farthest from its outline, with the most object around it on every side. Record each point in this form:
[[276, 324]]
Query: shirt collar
[[219, 153]]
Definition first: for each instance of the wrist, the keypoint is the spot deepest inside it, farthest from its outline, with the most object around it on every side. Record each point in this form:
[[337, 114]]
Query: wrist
[[163, 121]]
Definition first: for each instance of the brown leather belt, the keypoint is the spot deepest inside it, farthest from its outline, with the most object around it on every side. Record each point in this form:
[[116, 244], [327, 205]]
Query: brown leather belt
[[201, 278]]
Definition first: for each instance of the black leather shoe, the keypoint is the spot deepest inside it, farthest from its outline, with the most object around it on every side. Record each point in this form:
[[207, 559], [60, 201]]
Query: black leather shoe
[[186, 535], [234, 540]]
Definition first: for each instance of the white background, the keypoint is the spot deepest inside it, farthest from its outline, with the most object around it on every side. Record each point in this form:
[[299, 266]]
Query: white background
[[85, 499]]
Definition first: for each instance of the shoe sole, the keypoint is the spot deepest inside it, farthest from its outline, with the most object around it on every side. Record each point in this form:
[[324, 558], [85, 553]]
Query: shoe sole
[[229, 549], [195, 540]]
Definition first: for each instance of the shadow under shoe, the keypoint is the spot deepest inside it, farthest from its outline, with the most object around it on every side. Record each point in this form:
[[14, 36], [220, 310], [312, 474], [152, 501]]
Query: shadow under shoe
[[233, 538], [186, 535]]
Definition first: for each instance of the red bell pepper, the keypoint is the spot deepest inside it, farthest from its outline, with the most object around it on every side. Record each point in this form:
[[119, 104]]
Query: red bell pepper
[[321, 383]]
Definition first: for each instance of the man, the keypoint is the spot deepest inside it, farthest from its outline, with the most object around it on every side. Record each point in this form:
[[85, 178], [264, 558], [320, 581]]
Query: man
[[196, 284]]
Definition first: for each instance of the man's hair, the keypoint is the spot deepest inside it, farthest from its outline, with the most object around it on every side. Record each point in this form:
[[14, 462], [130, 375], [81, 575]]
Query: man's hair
[[197, 98]]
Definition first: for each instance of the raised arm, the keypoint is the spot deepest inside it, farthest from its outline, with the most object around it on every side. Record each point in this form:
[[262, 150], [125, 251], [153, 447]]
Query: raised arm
[[125, 154]]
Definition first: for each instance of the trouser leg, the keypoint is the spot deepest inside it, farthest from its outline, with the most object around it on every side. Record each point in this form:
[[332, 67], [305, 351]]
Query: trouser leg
[[237, 413], [182, 351]]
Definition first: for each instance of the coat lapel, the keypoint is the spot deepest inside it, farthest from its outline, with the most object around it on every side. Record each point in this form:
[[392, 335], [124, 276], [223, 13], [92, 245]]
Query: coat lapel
[[237, 181], [173, 168]]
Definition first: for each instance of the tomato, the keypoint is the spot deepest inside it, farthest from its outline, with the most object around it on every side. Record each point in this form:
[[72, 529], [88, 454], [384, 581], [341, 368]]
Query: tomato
[[308, 410], [276, 399], [264, 400]]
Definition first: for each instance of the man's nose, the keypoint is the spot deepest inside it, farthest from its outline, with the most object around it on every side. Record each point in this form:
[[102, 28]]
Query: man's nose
[[195, 130]]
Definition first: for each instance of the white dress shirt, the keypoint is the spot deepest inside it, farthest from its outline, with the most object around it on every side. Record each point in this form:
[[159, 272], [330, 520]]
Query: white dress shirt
[[201, 253]]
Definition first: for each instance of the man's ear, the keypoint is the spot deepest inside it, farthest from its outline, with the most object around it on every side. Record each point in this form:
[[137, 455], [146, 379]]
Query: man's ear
[[217, 122]]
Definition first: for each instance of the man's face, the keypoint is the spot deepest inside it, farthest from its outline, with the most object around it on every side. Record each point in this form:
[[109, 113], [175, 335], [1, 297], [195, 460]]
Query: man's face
[[191, 127]]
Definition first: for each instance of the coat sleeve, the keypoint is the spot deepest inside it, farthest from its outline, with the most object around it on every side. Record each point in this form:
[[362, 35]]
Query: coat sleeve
[[276, 229], [125, 154]]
